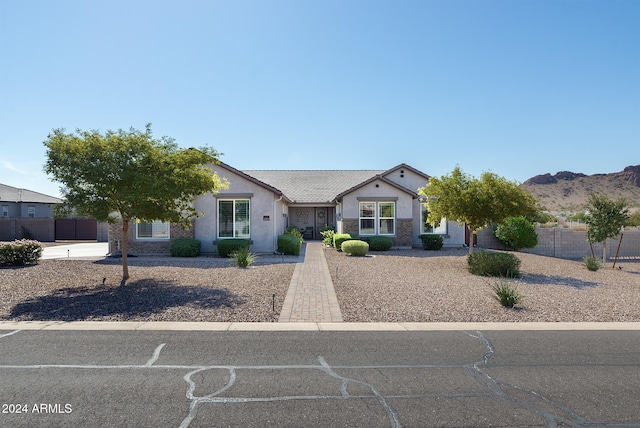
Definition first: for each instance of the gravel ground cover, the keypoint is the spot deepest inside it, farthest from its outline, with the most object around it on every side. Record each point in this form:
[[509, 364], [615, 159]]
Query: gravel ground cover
[[393, 286], [430, 286], [202, 289]]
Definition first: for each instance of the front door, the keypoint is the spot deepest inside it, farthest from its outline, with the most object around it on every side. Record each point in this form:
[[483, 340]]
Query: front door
[[321, 222]]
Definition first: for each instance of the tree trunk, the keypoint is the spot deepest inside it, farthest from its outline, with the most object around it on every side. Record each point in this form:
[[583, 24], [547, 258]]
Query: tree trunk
[[604, 253], [615, 260], [472, 236], [125, 263]]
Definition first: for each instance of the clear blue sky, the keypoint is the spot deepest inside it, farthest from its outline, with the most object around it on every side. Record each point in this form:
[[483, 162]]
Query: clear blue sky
[[516, 87]]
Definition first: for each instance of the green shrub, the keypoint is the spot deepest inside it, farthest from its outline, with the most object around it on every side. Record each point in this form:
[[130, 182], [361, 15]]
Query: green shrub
[[506, 293], [354, 247], [289, 244], [228, 246], [592, 263], [517, 233], [185, 247], [243, 257], [26, 234], [294, 231], [339, 238], [380, 243], [327, 237], [20, 252], [432, 242], [487, 263]]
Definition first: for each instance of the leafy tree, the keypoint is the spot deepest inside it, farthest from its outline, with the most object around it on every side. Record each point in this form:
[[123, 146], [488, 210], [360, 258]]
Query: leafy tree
[[120, 175], [541, 217], [517, 233], [476, 202], [605, 219], [634, 219], [581, 216]]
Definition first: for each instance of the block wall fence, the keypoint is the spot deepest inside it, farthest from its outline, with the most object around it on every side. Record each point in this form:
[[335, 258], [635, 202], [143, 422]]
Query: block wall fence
[[569, 244]]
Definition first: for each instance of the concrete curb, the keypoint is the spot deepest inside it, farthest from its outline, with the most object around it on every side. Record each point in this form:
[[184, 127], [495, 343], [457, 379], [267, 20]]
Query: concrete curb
[[309, 326]]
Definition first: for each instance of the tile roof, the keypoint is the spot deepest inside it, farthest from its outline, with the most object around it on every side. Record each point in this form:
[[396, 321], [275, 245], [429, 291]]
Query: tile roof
[[312, 186], [13, 194]]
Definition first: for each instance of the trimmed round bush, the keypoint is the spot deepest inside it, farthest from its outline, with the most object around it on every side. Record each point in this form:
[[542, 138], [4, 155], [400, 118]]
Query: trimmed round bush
[[228, 246], [432, 242], [485, 263], [289, 244], [339, 238], [380, 243], [355, 248], [20, 252], [517, 233], [185, 247]]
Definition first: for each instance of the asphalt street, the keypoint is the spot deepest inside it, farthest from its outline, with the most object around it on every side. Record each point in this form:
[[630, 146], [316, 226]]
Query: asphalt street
[[319, 378]]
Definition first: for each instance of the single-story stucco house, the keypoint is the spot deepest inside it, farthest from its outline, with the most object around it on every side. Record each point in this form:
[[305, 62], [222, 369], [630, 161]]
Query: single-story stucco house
[[260, 205]]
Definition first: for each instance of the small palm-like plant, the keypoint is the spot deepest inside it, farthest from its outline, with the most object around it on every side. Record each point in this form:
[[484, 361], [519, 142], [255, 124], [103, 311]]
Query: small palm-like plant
[[243, 257], [506, 293], [592, 263]]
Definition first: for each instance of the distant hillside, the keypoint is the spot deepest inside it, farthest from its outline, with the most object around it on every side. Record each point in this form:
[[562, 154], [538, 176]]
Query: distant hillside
[[569, 191]]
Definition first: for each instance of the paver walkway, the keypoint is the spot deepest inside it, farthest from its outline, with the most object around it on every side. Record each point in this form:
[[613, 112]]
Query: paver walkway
[[311, 296]]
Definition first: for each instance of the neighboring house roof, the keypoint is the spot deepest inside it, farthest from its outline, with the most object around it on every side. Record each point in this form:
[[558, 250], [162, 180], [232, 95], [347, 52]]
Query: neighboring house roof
[[14, 194], [313, 186]]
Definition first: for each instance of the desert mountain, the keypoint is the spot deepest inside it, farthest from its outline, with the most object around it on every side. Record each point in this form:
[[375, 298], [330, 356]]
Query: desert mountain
[[569, 191]]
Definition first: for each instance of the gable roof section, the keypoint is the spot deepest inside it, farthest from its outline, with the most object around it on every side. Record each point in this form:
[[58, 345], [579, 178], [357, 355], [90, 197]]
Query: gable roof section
[[371, 180], [313, 186], [14, 194], [407, 167], [253, 179]]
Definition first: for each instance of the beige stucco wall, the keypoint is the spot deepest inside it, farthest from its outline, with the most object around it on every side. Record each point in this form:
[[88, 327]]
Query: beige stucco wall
[[455, 231], [377, 190], [407, 178], [266, 213], [302, 217]]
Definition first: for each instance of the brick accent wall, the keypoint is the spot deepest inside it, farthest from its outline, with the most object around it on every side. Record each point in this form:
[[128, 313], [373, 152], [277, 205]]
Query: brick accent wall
[[350, 226], [140, 247], [403, 237]]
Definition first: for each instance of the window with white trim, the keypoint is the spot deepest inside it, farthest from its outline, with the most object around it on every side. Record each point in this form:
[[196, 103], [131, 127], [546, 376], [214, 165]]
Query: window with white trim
[[5, 211], [440, 229], [31, 212], [234, 218], [152, 230], [377, 218]]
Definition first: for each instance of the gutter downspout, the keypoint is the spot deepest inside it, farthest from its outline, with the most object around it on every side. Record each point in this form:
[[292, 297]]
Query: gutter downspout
[[275, 224]]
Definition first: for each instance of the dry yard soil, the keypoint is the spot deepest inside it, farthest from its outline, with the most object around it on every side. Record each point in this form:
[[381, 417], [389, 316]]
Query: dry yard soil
[[393, 286]]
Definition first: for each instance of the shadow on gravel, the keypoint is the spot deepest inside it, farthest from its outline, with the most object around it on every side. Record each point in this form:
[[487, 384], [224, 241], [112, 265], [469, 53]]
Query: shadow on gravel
[[197, 262], [135, 300], [537, 278]]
